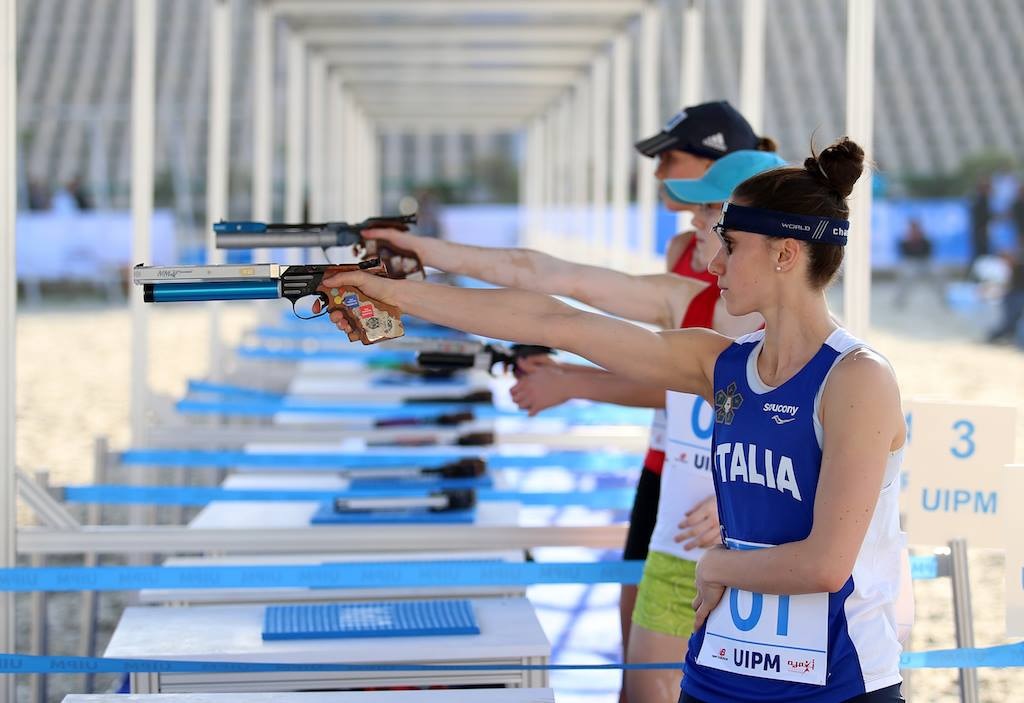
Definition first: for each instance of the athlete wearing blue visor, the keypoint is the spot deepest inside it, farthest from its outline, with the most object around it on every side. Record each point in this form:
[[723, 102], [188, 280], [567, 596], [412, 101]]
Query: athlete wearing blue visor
[[798, 602]]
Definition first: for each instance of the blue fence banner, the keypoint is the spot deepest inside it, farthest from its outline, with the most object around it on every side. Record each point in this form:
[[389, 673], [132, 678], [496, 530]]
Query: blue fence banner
[[383, 457], [1002, 656], [600, 499]]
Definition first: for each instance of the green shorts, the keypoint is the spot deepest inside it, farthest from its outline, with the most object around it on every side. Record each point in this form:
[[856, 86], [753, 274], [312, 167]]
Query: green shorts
[[664, 601]]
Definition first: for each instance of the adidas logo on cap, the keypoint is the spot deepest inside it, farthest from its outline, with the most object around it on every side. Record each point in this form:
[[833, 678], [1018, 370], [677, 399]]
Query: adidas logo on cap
[[715, 141]]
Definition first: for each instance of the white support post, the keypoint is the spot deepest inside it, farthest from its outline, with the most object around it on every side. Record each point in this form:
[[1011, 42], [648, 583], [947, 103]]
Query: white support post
[[454, 160], [143, 123], [560, 232], [648, 124], [421, 158], [143, 146], [691, 84], [529, 182], [598, 234], [318, 140], [8, 301], [394, 174], [752, 63], [295, 143], [620, 146], [335, 122], [860, 100], [580, 173], [262, 119], [691, 72], [217, 159]]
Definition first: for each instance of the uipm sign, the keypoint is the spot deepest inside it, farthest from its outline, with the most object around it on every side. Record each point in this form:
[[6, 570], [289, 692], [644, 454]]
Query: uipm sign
[[955, 456]]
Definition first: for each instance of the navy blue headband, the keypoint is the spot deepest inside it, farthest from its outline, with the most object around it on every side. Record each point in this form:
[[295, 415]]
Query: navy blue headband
[[772, 223]]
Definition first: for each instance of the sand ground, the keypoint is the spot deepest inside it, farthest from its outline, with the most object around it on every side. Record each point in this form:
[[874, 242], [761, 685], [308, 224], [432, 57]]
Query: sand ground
[[73, 369]]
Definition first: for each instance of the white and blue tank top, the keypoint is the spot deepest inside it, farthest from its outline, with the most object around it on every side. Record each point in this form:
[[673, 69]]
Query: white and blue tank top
[[766, 453]]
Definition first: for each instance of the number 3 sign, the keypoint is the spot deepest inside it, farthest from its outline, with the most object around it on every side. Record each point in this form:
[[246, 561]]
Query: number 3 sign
[[955, 459]]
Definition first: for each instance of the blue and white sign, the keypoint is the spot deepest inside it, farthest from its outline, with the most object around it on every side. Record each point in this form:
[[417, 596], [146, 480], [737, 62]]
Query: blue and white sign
[[955, 459]]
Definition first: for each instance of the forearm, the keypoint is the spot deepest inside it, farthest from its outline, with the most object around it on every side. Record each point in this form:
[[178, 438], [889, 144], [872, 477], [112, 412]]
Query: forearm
[[647, 299], [509, 314], [792, 568], [606, 387], [514, 268]]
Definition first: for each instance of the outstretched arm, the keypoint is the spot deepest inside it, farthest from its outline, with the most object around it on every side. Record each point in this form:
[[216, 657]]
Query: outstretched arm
[[548, 385], [681, 360], [653, 299]]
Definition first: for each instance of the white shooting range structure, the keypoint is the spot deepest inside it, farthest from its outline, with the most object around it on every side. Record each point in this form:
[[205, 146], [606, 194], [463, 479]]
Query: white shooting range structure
[[560, 72]]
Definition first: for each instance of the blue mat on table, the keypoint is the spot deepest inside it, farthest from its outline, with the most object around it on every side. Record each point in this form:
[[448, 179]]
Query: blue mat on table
[[380, 619], [327, 515]]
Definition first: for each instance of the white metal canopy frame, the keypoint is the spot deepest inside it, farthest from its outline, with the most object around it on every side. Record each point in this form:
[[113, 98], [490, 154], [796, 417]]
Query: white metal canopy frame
[[558, 71]]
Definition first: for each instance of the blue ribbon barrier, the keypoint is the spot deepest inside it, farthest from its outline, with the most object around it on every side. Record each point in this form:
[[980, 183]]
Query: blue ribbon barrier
[[386, 458], [255, 406], [1001, 656], [411, 574], [424, 574], [599, 499], [923, 568]]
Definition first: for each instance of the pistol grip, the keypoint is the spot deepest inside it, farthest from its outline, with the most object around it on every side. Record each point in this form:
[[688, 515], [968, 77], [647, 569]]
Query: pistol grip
[[371, 320]]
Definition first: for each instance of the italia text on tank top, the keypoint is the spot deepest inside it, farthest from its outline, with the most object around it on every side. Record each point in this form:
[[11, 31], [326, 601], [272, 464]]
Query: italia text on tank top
[[766, 448], [686, 474], [702, 316]]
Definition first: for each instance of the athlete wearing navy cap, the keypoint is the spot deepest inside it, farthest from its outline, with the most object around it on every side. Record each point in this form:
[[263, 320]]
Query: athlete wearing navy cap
[[798, 603]]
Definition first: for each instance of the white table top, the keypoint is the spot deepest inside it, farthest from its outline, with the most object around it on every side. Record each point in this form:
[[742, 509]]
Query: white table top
[[221, 514], [264, 595], [508, 630], [483, 695]]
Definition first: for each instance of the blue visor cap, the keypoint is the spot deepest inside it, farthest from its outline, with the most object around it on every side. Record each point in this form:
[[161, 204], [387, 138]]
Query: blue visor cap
[[719, 181], [809, 228]]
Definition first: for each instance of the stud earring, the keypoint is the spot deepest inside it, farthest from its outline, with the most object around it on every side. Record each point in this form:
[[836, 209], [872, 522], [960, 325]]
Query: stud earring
[[778, 268]]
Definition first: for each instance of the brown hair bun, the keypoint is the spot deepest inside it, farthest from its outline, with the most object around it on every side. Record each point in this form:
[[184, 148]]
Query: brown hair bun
[[839, 165], [767, 144]]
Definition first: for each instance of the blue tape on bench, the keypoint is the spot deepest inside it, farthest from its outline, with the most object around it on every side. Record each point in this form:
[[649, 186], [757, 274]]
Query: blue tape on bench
[[254, 406], [360, 575], [597, 499], [398, 380], [438, 618], [378, 357], [327, 515], [376, 458]]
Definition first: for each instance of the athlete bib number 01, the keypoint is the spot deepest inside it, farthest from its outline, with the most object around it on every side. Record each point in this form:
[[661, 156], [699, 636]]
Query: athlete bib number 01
[[771, 637]]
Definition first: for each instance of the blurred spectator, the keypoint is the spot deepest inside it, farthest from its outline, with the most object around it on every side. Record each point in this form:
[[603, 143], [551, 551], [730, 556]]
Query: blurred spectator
[[1017, 216], [38, 197], [80, 194], [981, 213], [1013, 302], [916, 264]]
